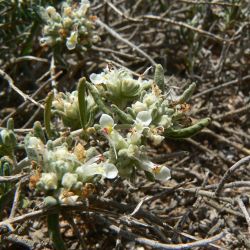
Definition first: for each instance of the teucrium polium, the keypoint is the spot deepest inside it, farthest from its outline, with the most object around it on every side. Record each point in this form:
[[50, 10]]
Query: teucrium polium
[[62, 169], [119, 85], [143, 113], [73, 26]]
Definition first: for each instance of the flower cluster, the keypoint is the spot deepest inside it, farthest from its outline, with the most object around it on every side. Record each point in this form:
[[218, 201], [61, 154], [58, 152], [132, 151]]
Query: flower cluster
[[67, 107], [128, 153], [64, 171], [118, 85], [73, 26], [152, 110], [143, 112]]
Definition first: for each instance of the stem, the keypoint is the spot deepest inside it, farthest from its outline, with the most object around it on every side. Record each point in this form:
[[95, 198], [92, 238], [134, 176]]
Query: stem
[[54, 231], [47, 114]]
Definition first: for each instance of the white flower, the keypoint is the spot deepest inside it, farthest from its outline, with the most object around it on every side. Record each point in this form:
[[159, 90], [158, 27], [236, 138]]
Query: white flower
[[115, 139], [144, 118], [72, 40], [110, 170], [69, 180], [156, 139], [106, 122], [71, 200], [160, 172], [134, 137], [67, 198], [81, 169], [48, 181], [51, 10], [97, 78], [139, 106], [107, 170]]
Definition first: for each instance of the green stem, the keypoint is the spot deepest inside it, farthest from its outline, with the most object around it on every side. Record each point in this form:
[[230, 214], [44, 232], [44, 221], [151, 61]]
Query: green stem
[[47, 114], [54, 231]]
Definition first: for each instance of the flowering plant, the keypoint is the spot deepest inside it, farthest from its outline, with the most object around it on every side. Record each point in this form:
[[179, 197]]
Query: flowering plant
[[73, 26], [150, 114]]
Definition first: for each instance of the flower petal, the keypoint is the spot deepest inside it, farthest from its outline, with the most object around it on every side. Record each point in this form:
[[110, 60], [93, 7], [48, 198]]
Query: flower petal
[[144, 118], [139, 106], [72, 40], [110, 170], [97, 78], [163, 174], [146, 165], [48, 181], [106, 121], [69, 180]]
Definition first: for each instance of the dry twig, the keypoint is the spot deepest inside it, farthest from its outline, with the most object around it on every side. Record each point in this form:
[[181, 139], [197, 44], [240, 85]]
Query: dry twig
[[229, 173]]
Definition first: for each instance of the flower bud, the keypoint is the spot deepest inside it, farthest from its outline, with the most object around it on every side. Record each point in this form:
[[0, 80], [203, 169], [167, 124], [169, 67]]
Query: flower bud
[[72, 40], [67, 22], [149, 99], [139, 106], [48, 181], [51, 10], [67, 11], [34, 148], [165, 121], [69, 180]]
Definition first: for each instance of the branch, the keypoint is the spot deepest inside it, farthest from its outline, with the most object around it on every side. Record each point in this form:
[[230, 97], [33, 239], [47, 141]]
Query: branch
[[229, 172], [20, 92], [119, 37], [156, 244]]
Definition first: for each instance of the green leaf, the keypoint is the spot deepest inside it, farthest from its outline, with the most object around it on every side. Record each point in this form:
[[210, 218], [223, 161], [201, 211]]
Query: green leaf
[[187, 94], [187, 132], [82, 102], [159, 76]]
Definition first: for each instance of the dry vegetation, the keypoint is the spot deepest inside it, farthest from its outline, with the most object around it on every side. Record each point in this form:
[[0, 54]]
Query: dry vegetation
[[206, 203]]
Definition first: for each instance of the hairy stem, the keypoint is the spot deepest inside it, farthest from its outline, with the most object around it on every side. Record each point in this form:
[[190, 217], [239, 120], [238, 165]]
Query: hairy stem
[[54, 231], [47, 114]]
